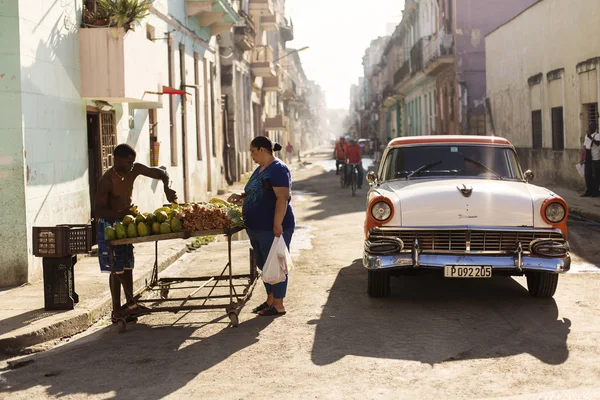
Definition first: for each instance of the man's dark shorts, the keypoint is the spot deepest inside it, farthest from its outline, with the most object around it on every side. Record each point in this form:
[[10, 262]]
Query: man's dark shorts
[[123, 255]]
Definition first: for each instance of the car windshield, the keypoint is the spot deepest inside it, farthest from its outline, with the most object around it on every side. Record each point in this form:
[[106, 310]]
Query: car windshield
[[449, 161]]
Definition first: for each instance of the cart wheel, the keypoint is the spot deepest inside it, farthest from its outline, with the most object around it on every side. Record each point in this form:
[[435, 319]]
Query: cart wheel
[[121, 325], [233, 317], [164, 293]]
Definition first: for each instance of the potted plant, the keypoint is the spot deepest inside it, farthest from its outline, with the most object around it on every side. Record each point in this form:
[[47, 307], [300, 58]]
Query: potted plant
[[117, 13]]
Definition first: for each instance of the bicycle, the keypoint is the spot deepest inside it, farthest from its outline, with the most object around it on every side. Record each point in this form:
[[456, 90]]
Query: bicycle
[[353, 177], [342, 167]]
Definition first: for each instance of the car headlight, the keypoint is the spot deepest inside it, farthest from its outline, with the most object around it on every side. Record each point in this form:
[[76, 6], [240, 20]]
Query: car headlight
[[555, 212], [381, 211]]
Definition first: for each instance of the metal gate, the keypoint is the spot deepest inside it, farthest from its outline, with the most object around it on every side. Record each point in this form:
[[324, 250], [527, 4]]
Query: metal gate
[[108, 139]]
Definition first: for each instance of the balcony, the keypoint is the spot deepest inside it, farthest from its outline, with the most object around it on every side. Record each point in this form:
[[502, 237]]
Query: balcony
[[120, 68], [402, 73], [218, 15], [272, 84], [289, 89], [276, 123], [262, 61], [390, 97], [286, 30], [262, 7], [437, 54], [244, 32], [269, 23], [416, 57]]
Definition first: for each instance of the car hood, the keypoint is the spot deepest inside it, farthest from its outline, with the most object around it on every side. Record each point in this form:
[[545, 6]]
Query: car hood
[[464, 202]]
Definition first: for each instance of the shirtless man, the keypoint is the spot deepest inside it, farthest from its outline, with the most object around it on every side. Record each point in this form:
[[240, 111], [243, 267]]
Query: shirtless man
[[113, 202]]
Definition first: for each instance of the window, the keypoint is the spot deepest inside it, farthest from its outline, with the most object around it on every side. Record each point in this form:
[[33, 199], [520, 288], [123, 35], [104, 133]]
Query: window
[[536, 129], [108, 138], [426, 117], [172, 105], [558, 139], [198, 113], [451, 102], [153, 137], [450, 162], [591, 114], [212, 71]]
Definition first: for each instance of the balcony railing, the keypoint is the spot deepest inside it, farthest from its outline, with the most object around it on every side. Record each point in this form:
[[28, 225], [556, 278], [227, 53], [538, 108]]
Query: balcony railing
[[437, 47], [262, 54], [263, 5], [244, 32], [416, 57], [402, 72]]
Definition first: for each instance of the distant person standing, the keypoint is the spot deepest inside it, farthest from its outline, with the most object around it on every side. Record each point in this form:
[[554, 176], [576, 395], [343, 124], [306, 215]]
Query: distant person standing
[[289, 149], [591, 143]]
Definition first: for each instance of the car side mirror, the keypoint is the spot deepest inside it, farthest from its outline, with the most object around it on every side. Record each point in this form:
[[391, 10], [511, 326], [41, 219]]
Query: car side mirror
[[529, 175], [372, 178]]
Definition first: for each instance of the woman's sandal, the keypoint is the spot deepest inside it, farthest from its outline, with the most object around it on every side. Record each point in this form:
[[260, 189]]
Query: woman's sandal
[[271, 312], [137, 307], [130, 319], [263, 306]]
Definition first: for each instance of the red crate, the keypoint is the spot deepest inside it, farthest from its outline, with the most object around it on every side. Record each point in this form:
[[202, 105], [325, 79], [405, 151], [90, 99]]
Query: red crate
[[62, 240]]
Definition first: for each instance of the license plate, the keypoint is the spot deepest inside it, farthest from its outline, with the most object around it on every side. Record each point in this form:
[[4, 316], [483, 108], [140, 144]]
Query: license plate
[[463, 271]]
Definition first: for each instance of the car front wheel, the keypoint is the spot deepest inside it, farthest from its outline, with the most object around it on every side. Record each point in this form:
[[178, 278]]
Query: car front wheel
[[542, 284], [379, 284]]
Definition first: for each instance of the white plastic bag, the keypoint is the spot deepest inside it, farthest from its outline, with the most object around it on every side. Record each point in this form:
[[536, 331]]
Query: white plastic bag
[[278, 264], [580, 169]]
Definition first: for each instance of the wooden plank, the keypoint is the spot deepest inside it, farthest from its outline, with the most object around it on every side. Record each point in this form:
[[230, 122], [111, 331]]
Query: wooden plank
[[151, 238], [177, 235]]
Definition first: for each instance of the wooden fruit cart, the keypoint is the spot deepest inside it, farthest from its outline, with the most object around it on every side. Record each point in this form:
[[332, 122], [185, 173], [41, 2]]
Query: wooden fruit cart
[[165, 285]]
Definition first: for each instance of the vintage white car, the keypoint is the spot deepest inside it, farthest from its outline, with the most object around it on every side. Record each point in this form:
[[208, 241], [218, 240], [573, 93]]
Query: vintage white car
[[460, 206]]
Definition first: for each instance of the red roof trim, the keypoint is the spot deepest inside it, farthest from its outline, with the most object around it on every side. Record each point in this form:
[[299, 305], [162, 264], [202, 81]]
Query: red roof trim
[[449, 139]]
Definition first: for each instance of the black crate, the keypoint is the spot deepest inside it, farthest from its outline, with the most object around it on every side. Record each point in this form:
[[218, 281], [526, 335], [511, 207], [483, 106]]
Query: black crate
[[62, 240], [59, 283]]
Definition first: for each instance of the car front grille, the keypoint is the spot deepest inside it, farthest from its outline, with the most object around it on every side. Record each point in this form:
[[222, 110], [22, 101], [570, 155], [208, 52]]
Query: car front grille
[[465, 240]]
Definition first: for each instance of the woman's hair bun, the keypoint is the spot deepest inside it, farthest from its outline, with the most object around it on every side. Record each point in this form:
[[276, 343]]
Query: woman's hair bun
[[276, 146]]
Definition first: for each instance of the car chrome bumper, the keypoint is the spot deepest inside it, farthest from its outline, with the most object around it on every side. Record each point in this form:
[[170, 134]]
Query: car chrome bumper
[[518, 263]]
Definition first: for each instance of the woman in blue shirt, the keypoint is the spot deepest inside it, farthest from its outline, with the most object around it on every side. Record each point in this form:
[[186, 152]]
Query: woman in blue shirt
[[268, 213]]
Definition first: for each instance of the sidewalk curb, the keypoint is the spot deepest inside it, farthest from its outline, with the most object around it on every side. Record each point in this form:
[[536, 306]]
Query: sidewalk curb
[[581, 213], [79, 320]]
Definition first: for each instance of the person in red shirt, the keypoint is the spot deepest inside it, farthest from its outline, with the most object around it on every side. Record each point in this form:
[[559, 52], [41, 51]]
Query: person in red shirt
[[339, 153], [354, 156]]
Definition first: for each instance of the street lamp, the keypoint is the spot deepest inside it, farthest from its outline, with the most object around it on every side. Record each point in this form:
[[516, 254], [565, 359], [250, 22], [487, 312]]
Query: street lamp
[[292, 52]]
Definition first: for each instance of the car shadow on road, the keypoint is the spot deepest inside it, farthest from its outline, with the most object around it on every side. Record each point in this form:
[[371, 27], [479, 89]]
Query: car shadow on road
[[434, 320], [145, 362]]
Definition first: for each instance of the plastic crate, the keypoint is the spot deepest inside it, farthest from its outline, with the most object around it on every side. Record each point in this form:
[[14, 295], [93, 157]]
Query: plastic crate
[[59, 283], [62, 240]]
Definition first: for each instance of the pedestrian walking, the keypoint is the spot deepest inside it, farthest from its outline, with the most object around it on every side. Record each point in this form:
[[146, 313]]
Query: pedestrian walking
[[289, 149], [268, 213]]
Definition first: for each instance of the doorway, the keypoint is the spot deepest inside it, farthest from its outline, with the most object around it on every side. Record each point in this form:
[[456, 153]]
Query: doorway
[[102, 140]]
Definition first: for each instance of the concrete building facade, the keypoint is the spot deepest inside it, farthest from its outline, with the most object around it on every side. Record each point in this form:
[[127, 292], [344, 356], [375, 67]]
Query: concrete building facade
[[73, 91], [544, 92]]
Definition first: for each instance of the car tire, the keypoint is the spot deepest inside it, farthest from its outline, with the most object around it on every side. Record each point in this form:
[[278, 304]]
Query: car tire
[[542, 284], [379, 284]]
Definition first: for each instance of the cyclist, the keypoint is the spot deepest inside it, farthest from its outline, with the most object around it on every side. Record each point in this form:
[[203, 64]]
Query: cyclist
[[339, 153], [354, 156]]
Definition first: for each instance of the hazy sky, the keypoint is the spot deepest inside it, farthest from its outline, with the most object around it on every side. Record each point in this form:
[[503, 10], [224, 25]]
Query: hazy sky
[[338, 32]]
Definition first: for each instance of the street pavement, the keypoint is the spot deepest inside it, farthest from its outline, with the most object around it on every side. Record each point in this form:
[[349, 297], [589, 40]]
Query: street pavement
[[430, 338]]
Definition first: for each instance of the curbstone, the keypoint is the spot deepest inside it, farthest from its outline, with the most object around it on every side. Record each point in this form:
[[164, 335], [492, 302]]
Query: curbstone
[[79, 320]]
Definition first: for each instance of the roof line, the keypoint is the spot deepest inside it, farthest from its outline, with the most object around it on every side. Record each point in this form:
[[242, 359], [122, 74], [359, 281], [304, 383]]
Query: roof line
[[513, 18]]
